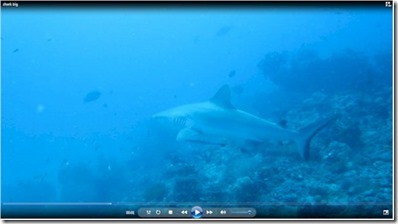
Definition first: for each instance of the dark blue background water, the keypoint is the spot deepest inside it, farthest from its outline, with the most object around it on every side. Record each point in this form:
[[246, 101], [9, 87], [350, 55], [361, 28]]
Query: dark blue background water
[[292, 64]]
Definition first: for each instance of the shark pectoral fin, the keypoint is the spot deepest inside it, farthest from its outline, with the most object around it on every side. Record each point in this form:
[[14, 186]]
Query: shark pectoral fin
[[186, 134], [194, 136]]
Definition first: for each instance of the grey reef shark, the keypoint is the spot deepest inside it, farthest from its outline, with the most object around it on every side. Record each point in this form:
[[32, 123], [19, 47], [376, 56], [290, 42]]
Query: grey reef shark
[[217, 121]]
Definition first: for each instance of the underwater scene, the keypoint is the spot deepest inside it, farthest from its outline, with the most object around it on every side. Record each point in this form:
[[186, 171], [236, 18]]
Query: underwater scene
[[286, 109]]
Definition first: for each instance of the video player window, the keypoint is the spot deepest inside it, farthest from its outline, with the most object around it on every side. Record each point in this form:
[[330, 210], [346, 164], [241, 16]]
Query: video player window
[[197, 110]]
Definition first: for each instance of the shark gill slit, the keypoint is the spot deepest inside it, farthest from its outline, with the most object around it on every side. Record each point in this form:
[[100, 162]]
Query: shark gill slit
[[180, 121]]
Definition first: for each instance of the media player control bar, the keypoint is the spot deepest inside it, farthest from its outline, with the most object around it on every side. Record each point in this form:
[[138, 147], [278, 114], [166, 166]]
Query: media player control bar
[[196, 212]]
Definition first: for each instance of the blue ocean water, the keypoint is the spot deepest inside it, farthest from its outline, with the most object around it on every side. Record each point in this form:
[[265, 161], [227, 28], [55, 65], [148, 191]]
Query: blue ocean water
[[79, 87]]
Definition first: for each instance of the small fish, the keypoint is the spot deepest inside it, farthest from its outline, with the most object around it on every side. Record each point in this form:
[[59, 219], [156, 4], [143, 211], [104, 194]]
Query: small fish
[[15, 51], [283, 123], [232, 74], [92, 96]]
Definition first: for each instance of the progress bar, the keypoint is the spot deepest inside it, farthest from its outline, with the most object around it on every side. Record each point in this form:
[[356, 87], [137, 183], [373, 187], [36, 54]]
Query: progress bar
[[57, 203]]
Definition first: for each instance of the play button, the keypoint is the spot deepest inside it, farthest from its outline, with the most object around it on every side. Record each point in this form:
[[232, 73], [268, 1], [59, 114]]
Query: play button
[[196, 212]]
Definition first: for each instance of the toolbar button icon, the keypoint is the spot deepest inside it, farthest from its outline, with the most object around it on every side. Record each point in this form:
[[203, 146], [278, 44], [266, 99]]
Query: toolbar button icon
[[197, 212], [184, 212], [158, 212]]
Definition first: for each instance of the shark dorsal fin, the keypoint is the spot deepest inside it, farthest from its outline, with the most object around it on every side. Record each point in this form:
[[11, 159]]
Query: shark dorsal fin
[[222, 97]]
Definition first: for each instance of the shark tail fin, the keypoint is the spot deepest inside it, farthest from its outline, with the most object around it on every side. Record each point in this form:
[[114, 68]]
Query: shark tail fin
[[306, 134]]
